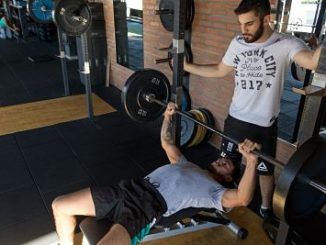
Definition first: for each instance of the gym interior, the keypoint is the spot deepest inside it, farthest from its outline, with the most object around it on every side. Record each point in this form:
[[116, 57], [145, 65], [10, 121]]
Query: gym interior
[[66, 125]]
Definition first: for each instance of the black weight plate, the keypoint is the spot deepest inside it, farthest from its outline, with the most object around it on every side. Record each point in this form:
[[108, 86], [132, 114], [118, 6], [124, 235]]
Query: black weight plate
[[143, 82], [167, 19], [73, 17], [304, 201], [188, 131], [293, 197], [186, 100], [40, 10], [210, 122]]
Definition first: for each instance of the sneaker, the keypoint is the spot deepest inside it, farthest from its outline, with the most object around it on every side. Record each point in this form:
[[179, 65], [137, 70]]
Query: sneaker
[[266, 213]]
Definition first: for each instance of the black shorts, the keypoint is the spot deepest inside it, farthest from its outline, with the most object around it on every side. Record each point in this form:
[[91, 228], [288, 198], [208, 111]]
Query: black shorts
[[240, 130], [132, 204]]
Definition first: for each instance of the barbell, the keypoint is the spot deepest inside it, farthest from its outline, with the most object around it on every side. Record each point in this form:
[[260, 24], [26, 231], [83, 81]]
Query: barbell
[[145, 96]]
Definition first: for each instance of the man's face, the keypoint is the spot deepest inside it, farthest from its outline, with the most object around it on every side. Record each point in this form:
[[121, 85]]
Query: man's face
[[223, 166], [252, 27]]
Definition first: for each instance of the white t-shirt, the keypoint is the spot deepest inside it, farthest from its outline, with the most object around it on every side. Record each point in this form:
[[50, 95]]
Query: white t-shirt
[[185, 185], [260, 70]]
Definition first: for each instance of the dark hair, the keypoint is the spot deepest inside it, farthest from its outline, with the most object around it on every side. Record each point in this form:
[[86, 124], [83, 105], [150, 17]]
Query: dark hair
[[227, 184], [261, 7]]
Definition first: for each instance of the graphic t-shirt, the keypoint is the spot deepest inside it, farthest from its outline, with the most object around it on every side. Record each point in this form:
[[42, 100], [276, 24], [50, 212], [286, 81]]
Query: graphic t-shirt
[[260, 70], [185, 185]]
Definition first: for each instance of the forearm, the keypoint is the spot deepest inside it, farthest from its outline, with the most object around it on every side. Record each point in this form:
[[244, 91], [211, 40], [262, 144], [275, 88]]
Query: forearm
[[315, 57], [166, 132], [247, 184], [203, 70]]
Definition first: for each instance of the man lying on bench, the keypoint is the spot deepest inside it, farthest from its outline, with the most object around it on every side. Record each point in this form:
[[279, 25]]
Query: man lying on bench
[[134, 205]]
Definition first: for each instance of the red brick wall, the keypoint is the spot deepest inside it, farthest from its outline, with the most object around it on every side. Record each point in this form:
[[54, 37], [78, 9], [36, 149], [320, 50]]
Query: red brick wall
[[214, 26]]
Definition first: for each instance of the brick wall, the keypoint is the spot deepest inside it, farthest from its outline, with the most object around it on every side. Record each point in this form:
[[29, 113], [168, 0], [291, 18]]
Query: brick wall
[[213, 28]]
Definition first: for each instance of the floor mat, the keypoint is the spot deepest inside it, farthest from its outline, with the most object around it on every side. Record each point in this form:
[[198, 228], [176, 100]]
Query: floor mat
[[48, 112]]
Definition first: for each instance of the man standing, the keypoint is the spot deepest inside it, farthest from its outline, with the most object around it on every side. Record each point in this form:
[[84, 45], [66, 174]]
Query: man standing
[[260, 59]]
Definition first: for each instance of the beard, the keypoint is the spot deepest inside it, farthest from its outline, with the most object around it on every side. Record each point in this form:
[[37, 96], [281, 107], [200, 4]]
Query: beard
[[250, 38]]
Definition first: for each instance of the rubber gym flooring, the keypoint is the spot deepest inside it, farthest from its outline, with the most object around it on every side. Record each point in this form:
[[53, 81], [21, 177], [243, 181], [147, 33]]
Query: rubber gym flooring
[[38, 165]]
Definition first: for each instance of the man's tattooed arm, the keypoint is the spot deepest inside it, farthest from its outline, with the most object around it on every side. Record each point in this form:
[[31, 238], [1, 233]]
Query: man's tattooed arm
[[166, 131]]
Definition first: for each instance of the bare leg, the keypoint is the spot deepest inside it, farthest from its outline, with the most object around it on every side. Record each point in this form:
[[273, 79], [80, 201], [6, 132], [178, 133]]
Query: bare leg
[[266, 188], [64, 210], [118, 235]]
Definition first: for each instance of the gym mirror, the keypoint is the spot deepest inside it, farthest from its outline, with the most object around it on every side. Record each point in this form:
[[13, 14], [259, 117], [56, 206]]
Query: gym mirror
[[128, 19]]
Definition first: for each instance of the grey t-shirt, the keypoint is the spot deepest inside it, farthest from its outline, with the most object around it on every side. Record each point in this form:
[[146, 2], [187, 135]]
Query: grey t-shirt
[[260, 70], [185, 185]]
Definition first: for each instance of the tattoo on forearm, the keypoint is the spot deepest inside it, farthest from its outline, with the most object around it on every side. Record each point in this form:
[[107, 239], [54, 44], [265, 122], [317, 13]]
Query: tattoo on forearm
[[166, 131]]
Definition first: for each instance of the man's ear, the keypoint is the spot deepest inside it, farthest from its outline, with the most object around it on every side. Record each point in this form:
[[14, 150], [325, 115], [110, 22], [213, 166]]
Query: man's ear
[[267, 19]]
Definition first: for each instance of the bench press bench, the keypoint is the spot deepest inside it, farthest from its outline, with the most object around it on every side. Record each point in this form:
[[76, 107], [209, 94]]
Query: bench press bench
[[184, 221]]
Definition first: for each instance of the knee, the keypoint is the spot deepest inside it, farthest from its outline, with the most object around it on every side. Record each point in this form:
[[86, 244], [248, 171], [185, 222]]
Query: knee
[[57, 204]]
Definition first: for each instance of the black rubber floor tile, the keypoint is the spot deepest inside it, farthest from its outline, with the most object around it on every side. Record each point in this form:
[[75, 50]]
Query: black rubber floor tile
[[145, 150], [13, 171], [112, 95], [19, 205], [108, 174], [38, 230], [39, 136], [54, 150], [93, 154], [46, 93], [15, 98], [8, 142], [111, 120], [79, 132], [54, 174]]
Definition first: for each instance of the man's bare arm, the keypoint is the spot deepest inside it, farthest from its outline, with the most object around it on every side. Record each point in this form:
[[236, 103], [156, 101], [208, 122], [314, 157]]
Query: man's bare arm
[[215, 70], [243, 195], [308, 58], [171, 150]]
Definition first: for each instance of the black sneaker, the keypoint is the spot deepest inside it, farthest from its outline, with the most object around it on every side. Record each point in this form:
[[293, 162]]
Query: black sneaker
[[266, 213]]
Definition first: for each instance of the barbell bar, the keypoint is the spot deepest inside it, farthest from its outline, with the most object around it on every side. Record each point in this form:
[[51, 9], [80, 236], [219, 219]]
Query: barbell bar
[[147, 88]]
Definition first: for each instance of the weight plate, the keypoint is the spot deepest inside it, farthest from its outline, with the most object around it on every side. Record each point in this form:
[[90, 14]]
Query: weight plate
[[186, 100], [202, 118], [294, 199], [195, 136], [41, 10], [73, 17], [198, 129], [204, 130], [188, 130], [210, 123], [167, 19], [138, 85]]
